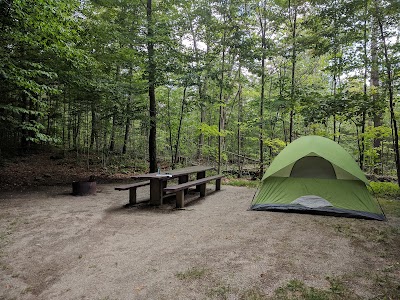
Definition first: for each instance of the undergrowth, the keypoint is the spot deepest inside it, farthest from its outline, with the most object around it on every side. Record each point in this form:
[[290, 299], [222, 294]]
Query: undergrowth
[[242, 182], [385, 189]]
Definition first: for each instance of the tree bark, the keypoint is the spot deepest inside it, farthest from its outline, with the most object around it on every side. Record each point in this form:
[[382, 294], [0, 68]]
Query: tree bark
[[170, 126], [127, 125], [201, 89], [113, 129], [221, 106], [240, 120], [294, 58], [374, 83], [388, 66], [179, 127], [152, 93], [263, 25], [94, 132]]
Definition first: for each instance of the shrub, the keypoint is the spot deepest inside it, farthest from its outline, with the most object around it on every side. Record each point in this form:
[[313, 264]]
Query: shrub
[[384, 189]]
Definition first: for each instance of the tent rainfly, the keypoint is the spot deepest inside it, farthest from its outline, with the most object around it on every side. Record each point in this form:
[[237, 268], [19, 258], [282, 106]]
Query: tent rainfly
[[316, 175]]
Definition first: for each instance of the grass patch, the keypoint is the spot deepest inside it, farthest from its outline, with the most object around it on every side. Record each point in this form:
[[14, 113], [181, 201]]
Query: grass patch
[[220, 291], [382, 235], [252, 294], [242, 182], [390, 207], [192, 274], [387, 286], [296, 289]]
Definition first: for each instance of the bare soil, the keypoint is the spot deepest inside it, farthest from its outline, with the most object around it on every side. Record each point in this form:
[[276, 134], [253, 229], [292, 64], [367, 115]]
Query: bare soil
[[57, 246]]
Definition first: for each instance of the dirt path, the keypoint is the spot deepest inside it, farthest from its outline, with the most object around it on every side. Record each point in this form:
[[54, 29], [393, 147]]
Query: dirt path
[[57, 246]]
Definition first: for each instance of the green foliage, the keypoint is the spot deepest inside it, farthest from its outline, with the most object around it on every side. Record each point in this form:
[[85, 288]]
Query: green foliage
[[385, 189], [275, 144], [33, 36], [212, 130], [75, 73]]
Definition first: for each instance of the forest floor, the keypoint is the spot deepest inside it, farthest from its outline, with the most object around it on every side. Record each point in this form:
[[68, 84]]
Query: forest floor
[[51, 168], [57, 246]]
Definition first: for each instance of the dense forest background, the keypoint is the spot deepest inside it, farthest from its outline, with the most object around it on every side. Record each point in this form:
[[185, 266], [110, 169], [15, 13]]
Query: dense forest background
[[225, 82]]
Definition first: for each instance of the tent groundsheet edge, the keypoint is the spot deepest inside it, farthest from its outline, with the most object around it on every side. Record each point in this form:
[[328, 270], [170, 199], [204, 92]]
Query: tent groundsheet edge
[[321, 210]]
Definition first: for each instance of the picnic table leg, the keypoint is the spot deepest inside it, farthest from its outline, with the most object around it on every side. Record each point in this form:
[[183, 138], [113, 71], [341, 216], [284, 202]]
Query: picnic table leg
[[180, 199], [202, 188], [183, 179], [156, 195], [200, 175], [218, 184], [163, 185], [132, 195]]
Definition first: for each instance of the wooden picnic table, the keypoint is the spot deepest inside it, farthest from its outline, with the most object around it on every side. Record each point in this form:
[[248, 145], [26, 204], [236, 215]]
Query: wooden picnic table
[[158, 181]]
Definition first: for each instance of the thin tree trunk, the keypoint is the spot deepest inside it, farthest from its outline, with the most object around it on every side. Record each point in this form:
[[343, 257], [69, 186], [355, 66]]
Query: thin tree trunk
[[201, 89], [113, 129], [24, 119], [169, 126], [240, 120], [63, 121], [388, 66], [127, 125], [94, 133], [362, 150], [263, 25], [362, 143], [294, 54], [152, 92], [128, 114], [48, 130], [374, 83], [77, 129], [221, 106], [180, 127]]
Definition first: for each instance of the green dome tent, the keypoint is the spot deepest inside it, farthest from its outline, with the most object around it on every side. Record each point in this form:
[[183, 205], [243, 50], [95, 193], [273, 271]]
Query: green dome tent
[[315, 174]]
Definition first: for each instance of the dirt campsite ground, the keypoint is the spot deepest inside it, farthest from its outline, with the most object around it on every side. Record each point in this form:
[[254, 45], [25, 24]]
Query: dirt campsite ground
[[57, 246]]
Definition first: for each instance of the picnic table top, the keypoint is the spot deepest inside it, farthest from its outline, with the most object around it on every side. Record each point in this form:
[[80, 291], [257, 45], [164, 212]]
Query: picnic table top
[[174, 173]]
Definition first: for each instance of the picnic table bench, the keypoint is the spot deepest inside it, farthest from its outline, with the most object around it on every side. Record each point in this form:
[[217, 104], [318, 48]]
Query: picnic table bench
[[158, 184], [132, 189], [179, 189], [158, 180]]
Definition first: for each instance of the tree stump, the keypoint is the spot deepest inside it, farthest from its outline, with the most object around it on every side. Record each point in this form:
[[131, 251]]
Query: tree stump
[[83, 188]]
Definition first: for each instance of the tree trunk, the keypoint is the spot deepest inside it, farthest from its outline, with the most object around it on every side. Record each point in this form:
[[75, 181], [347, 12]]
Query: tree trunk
[[201, 89], [374, 83], [179, 127], [388, 66], [113, 129], [128, 114], [240, 120], [127, 125], [94, 133], [263, 24], [294, 58], [152, 92], [76, 129], [362, 143], [24, 119], [221, 106], [170, 126]]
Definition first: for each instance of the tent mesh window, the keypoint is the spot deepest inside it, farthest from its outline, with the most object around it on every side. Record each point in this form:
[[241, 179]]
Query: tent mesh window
[[313, 167]]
